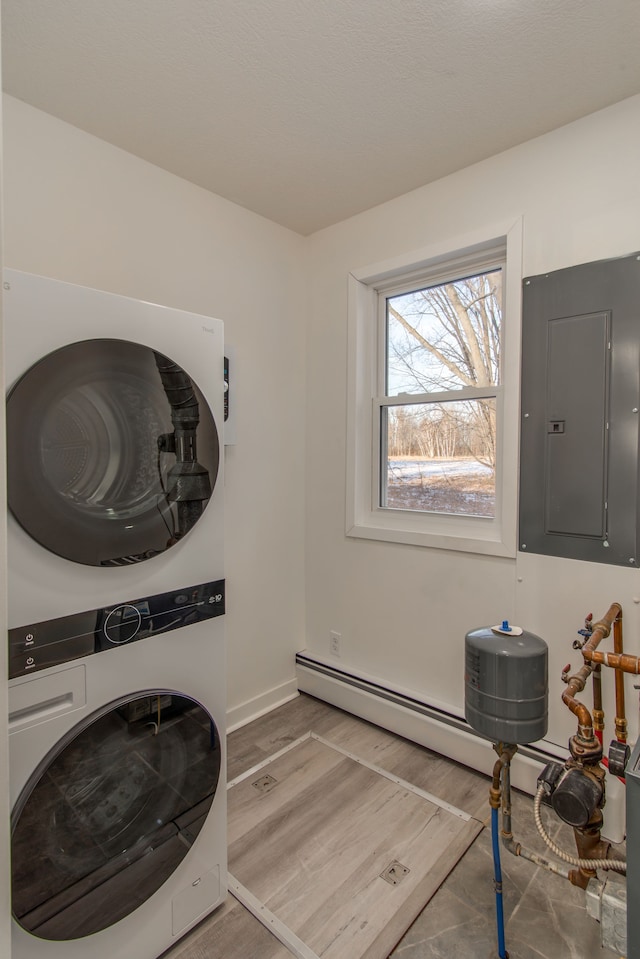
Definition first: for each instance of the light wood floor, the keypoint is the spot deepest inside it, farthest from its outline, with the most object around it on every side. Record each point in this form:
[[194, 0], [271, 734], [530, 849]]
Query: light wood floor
[[233, 932]]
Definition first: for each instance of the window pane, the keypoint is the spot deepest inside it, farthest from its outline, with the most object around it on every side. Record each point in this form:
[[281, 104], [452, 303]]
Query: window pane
[[445, 337], [440, 457]]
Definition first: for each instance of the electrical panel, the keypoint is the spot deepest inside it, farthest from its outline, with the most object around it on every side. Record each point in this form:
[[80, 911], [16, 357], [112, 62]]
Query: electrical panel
[[580, 412]]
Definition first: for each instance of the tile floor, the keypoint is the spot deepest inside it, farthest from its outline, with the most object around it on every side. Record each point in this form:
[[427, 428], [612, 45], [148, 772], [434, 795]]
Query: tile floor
[[545, 917]]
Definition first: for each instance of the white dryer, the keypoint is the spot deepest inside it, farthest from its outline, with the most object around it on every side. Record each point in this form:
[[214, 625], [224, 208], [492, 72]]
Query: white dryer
[[114, 428], [116, 615]]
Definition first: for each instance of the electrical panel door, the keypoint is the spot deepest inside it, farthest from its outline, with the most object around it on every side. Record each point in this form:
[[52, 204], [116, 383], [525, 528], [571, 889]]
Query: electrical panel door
[[579, 416]]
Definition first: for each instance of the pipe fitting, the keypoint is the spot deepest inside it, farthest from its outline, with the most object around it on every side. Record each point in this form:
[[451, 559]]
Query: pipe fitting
[[585, 750], [576, 683], [516, 849], [622, 661]]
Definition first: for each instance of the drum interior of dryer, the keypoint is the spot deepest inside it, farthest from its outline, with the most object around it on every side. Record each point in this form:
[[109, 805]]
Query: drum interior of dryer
[[111, 812], [113, 452]]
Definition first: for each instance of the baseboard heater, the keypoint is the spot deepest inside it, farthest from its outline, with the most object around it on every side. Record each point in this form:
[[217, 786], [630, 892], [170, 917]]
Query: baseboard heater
[[407, 716]]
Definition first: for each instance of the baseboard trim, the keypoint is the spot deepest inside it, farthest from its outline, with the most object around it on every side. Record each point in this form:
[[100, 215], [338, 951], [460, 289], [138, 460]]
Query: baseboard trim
[[408, 716], [245, 713]]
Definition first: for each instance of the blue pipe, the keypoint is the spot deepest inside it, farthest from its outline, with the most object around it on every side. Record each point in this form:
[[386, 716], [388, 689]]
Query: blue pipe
[[497, 875]]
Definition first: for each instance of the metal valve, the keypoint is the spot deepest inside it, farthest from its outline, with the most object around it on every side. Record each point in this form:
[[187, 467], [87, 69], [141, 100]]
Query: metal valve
[[618, 757], [585, 633]]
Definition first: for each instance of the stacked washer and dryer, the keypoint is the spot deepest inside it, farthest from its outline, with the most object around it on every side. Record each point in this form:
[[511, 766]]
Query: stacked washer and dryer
[[116, 613]]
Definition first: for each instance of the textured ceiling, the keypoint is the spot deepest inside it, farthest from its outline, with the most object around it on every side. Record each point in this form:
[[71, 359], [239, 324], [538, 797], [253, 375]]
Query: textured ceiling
[[308, 111]]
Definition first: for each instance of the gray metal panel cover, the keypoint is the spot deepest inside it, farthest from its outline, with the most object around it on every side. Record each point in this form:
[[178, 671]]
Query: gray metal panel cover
[[576, 421], [633, 860], [580, 400]]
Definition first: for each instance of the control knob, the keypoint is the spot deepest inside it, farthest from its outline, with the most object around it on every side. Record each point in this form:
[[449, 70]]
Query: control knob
[[122, 624]]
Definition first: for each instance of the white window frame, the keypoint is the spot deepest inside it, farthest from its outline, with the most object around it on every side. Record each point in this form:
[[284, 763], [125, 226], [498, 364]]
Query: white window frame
[[364, 517]]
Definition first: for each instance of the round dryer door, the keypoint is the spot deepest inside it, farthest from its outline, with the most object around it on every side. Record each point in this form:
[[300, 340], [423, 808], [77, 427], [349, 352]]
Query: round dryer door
[[111, 813], [113, 452]]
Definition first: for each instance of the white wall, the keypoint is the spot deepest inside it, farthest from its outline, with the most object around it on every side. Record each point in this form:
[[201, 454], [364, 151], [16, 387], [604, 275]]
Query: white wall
[[403, 611], [80, 210]]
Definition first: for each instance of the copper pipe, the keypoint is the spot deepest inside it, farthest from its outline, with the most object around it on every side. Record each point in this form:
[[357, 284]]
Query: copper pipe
[[621, 661], [577, 682], [506, 752], [578, 709], [603, 626], [598, 712], [621, 719], [494, 792], [589, 845]]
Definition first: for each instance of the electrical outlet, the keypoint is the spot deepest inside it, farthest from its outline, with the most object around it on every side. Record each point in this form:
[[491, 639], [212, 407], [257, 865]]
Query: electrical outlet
[[334, 642]]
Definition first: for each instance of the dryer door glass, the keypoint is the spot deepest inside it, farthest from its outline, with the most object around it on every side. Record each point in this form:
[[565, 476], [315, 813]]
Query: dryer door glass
[[113, 452], [111, 813]]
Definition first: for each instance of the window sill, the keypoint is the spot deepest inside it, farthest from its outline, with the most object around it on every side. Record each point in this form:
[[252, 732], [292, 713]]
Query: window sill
[[471, 535]]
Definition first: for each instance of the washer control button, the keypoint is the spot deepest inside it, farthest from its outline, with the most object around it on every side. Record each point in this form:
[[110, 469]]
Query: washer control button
[[122, 624]]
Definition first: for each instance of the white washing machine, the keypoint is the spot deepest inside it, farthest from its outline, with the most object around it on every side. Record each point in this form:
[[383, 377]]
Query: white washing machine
[[116, 616]]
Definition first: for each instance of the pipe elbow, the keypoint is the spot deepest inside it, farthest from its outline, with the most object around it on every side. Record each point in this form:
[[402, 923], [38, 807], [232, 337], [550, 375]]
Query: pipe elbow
[[577, 708], [510, 844]]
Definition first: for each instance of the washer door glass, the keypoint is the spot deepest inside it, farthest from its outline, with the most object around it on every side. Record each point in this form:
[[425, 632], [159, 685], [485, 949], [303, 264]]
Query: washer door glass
[[113, 452], [111, 813]]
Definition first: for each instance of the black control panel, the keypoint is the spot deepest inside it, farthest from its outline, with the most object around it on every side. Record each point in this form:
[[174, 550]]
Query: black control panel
[[55, 641], [226, 388]]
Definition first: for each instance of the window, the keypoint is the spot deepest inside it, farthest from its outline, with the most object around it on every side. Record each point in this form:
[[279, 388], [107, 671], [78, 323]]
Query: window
[[434, 353]]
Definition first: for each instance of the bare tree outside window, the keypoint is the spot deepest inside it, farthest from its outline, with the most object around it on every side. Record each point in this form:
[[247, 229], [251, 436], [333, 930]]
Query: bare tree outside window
[[443, 345]]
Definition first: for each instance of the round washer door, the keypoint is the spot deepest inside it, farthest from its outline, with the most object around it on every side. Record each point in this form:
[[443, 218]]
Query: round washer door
[[111, 812], [113, 452]]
